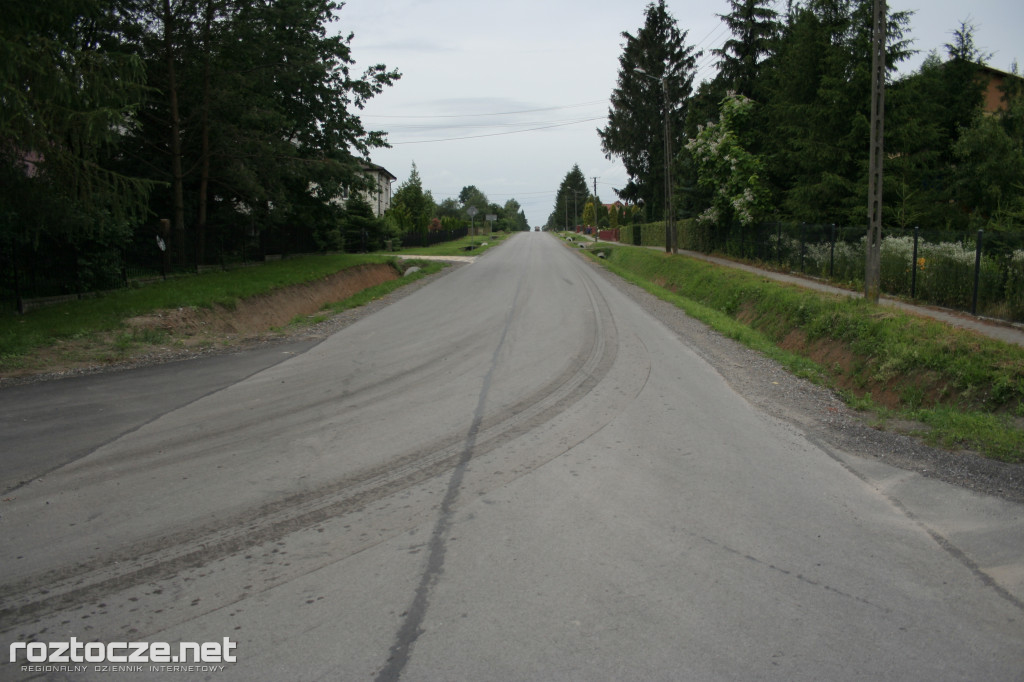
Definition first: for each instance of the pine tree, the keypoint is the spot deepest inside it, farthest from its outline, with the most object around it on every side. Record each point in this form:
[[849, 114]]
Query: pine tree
[[418, 204], [818, 106], [362, 231], [569, 200], [68, 88], [754, 26], [635, 129]]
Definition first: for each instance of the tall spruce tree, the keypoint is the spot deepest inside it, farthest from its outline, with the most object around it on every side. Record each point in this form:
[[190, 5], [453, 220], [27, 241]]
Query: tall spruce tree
[[818, 107], [635, 130], [67, 89], [754, 26], [916, 144]]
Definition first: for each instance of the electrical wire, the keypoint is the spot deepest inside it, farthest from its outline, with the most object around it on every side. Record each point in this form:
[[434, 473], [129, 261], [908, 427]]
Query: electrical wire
[[497, 113], [455, 126], [511, 132]]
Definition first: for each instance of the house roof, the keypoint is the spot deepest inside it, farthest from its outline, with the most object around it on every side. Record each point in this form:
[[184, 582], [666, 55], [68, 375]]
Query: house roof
[[381, 170]]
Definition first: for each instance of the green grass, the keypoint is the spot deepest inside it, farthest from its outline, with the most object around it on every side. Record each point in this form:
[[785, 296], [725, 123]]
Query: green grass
[[967, 388], [19, 334], [457, 247]]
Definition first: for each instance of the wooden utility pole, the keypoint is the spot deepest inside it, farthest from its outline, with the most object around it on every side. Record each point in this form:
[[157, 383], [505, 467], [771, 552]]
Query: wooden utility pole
[[177, 175], [670, 215], [873, 262]]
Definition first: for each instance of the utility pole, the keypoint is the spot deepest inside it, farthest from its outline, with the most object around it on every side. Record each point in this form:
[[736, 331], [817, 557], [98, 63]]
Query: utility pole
[[670, 218], [873, 260], [595, 208]]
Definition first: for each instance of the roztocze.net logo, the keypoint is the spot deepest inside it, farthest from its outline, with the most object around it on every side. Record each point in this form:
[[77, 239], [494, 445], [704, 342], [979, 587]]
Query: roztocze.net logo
[[139, 653]]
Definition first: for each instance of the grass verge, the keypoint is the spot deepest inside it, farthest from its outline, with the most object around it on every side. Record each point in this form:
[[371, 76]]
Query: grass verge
[[966, 390], [21, 334], [467, 246]]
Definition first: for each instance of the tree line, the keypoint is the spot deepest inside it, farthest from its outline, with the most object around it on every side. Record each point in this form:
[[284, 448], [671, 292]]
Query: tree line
[[210, 125], [414, 210], [781, 132], [220, 116]]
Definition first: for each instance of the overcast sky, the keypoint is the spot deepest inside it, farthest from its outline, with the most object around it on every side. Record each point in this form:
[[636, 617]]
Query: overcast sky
[[507, 96]]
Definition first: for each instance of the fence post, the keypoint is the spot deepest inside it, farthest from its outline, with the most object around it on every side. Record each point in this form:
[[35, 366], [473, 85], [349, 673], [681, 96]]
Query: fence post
[[19, 302], [913, 265], [803, 244], [778, 245], [977, 274], [832, 254]]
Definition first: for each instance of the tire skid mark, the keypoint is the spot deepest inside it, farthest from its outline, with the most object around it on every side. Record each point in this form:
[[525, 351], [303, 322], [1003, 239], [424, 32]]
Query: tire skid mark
[[164, 556], [408, 633]]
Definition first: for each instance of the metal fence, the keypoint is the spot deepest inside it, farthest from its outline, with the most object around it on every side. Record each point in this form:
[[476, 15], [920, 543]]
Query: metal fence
[[981, 273]]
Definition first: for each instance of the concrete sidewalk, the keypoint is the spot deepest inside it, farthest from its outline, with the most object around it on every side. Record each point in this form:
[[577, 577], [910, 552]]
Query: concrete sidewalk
[[1007, 332]]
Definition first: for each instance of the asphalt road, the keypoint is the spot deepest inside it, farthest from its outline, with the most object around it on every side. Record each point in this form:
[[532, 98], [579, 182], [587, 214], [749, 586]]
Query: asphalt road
[[514, 473]]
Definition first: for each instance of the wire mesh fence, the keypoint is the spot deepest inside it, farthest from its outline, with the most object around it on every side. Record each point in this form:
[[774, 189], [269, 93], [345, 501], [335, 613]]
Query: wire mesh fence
[[981, 273]]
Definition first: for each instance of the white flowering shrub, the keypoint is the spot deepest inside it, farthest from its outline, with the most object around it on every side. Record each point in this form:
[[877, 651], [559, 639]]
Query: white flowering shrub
[[725, 168]]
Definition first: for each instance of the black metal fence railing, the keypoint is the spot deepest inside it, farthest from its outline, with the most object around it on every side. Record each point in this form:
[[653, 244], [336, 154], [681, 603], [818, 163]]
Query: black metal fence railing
[[982, 272]]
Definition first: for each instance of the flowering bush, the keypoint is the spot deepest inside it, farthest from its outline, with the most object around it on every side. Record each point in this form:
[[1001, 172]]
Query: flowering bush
[[727, 169]]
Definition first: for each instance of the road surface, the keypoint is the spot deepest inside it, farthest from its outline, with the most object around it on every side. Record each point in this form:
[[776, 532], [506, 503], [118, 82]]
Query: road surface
[[514, 473]]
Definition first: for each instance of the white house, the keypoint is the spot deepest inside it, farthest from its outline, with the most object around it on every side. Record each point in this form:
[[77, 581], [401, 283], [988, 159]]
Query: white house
[[379, 196]]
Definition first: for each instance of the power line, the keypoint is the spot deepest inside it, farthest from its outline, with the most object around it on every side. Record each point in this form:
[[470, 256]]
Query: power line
[[452, 126], [511, 132], [497, 113]]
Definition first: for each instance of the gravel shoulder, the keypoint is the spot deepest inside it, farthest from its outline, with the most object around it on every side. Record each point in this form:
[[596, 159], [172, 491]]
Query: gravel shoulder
[[820, 413]]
